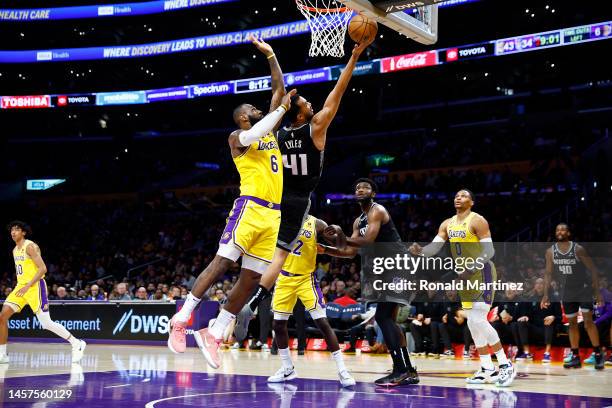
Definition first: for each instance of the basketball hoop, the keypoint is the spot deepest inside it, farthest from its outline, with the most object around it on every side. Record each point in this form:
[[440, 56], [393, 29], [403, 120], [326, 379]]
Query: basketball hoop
[[327, 20]]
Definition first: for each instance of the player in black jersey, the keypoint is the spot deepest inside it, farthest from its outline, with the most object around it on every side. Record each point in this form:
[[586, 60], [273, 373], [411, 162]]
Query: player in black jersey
[[302, 144], [567, 263], [375, 225]]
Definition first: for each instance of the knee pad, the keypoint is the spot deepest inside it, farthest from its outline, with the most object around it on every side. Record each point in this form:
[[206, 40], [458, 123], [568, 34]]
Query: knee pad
[[482, 332]]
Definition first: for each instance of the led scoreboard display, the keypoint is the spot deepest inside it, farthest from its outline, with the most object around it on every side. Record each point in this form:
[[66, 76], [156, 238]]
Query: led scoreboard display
[[587, 33], [528, 42]]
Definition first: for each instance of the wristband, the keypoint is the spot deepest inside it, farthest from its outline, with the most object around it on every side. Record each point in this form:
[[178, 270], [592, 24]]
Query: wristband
[[285, 107], [271, 56]]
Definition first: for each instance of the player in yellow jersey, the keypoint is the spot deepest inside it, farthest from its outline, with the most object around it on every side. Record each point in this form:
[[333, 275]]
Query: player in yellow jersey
[[470, 238], [297, 281], [31, 290], [253, 222]]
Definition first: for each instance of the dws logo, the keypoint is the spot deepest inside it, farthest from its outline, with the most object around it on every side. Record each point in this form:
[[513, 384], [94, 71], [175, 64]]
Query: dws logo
[[142, 323]]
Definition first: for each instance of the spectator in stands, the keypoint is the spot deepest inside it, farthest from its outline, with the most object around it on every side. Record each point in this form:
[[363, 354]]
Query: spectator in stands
[[507, 313], [158, 295], [338, 287], [121, 293], [96, 294], [62, 294], [453, 319], [219, 295], [420, 326], [535, 324], [347, 299], [141, 294], [174, 294], [82, 295], [7, 291]]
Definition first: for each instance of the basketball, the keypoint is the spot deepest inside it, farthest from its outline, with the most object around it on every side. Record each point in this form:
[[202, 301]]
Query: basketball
[[362, 29]]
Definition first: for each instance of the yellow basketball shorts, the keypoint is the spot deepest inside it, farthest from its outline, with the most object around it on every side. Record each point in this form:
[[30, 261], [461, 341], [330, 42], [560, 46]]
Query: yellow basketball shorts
[[35, 297], [291, 287], [486, 275], [251, 232]]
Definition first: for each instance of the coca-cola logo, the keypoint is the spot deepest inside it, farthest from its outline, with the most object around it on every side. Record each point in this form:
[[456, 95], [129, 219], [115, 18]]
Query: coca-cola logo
[[409, 61]]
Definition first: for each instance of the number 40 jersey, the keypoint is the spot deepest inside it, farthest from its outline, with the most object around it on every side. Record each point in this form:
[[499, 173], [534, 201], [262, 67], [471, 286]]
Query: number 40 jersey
[[302, 161]]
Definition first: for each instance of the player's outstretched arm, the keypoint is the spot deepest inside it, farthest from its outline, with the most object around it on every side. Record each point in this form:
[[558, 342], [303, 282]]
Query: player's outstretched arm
[[244, 138], [584, 257], [278, 82], [321, 121], [434, 246]]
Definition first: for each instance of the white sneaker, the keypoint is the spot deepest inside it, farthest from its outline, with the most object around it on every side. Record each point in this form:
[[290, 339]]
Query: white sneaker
[[4, 359], [346, 379], [235, 346], [77, 352], [283, 374], [265, 347], [483, 376], [507, 374]]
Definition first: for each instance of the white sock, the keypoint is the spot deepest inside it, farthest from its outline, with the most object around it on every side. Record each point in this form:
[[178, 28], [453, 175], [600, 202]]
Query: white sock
[[337, 356], [501, 357], [191, 303], [285, 356], [486, 362], [48, 324], [74, 342], [219, 326], [2, 349]]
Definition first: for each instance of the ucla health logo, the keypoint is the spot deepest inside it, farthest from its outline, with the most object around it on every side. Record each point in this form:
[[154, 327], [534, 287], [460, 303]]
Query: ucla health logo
[[142, 323]]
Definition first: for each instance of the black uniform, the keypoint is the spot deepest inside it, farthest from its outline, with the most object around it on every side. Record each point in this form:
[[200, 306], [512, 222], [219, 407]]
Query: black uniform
[[387, 232], [302, 166], [386, 310], [574, 281]]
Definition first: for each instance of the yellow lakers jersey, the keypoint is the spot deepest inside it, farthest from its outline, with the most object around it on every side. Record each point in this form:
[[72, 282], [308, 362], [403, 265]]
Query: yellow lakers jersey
[[261, 170], [24, 265], [303, 259], [459, 232]]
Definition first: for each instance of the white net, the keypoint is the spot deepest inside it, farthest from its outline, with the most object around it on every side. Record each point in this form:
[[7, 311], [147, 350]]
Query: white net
[[424, 17], [328, 20]]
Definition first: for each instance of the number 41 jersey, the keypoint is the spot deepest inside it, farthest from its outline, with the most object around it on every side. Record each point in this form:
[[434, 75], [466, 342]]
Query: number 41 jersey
[[302, 161]]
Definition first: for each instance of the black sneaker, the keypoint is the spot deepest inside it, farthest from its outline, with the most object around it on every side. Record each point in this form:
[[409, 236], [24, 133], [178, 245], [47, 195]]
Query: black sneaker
[[301, 352], [413, 377], [574, 362], [600, 361], [255, 346], [402, 378]]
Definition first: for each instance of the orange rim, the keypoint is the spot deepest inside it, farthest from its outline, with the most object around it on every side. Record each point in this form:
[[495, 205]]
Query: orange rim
[[322, 10]]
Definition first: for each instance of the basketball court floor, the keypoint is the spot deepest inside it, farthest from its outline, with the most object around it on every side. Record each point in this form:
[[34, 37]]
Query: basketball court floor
[[122, 376]]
